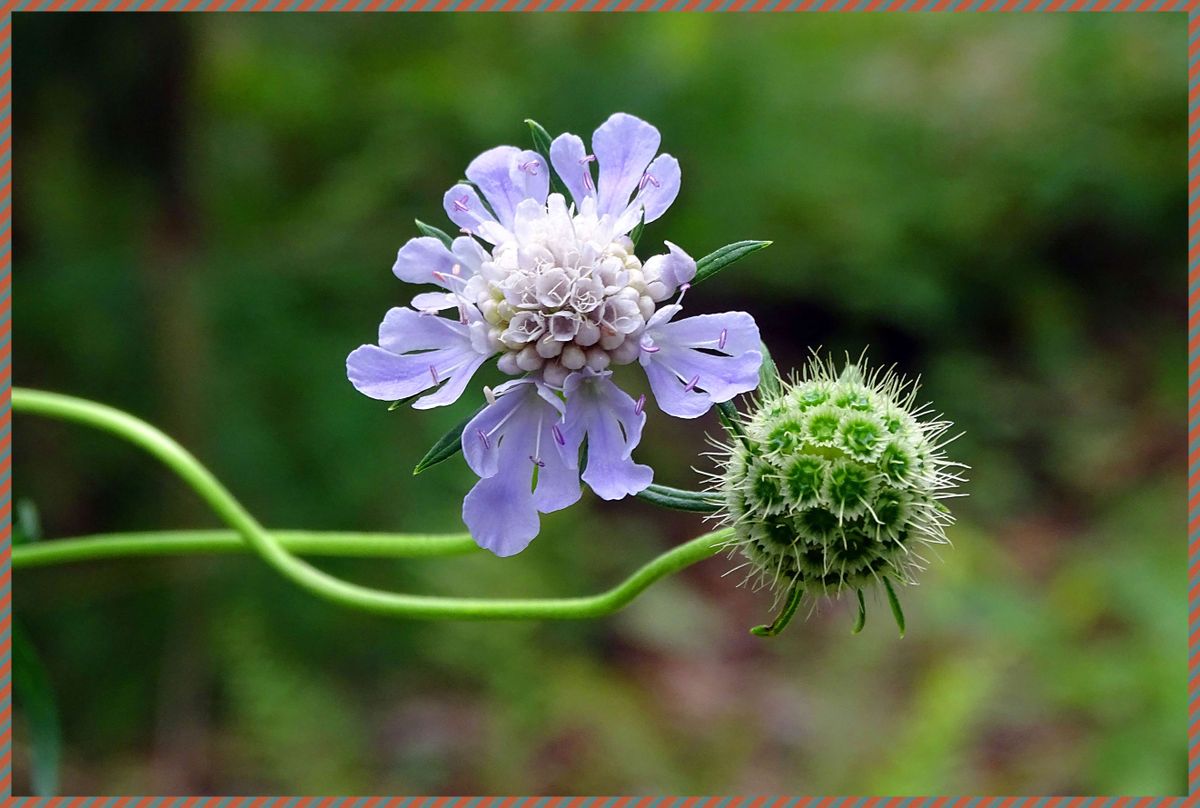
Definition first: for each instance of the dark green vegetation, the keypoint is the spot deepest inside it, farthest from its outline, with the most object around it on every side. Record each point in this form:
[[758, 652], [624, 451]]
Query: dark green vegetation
[[206, 213]]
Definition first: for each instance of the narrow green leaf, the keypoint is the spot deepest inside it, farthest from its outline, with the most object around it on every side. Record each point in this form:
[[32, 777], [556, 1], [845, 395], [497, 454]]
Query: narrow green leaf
[[768, 374], [541, 144], [541, 138], [795, 595], [861, 619], [635, 235], [33, 691], [717, 260], [894, 601], [679, 500], [729, 419], [447, 445], [430, 230]]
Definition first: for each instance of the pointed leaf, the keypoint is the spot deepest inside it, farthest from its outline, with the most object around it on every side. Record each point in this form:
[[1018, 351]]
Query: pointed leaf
[[679, 500], [430, 230], [861, 619], [717, 260], [33, 691], [447, 445], [635, 235], [897, 611], [795, 595], [729, 419], [768, 374]]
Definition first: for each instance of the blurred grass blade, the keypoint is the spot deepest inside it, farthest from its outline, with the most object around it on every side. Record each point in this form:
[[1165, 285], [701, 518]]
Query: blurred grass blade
[[768, 374], [717, 260], [27, 526], [861, 619], [430, 230], [541, 144], [679, 500], [894, 602], [32, 690], [447, 445]]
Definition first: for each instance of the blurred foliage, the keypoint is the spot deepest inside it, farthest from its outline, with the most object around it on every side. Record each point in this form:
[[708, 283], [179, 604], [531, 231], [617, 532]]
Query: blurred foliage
[[205, 215]]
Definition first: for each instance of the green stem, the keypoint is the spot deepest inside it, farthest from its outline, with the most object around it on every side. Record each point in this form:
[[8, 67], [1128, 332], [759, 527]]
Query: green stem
[[304, 575], [191, 542]]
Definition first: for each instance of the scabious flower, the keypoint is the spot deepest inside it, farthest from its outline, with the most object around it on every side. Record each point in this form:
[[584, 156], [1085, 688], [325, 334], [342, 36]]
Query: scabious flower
[[551, 287], [837, 482]]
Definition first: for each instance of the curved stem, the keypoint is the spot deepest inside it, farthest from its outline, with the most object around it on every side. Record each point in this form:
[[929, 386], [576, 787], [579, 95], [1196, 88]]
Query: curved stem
[[189, 542], [319, 583]]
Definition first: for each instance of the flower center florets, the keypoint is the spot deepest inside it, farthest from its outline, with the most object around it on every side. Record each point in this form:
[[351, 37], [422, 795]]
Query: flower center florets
[[563, 293]]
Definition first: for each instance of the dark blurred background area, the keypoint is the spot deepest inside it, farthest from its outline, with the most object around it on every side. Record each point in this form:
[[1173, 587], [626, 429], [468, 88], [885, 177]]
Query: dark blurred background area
[[206, 210]]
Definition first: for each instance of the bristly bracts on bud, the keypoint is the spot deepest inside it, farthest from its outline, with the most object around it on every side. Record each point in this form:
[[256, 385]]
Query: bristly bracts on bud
[[838, 484]]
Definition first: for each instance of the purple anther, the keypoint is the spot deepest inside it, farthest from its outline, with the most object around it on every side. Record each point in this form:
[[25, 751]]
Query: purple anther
[[690, 386], [558, 435], [530, 167], [433, 373], [587, 158], [640, 405], [483, 438], [537, 462], [648, 179], [461, 205], [721, 341], [684, 287]]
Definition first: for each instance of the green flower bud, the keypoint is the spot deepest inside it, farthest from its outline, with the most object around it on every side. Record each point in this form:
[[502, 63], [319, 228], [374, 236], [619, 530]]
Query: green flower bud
[[838, 484]]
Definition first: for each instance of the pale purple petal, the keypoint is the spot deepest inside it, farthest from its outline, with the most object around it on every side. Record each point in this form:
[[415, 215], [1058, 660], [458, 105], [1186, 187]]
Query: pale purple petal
[[481, 437], [404, 330], [699, 361], [732, 332], [673, 270], [385, 376], [506, 176], [500, 514], [530, 178], [574, 168], [612, 423], [470, 254], [558, 480], [434, 301], [415, 353], [450, 392], [421, 258], [658, 188], [465, 209], [624, 146], [504, 444]]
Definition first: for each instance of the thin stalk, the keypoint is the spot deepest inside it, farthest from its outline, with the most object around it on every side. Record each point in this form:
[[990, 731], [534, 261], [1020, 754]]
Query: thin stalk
[[321, 584], [209, 542]]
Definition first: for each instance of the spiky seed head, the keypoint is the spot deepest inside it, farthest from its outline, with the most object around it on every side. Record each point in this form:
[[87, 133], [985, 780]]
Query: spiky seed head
[[839, 482]]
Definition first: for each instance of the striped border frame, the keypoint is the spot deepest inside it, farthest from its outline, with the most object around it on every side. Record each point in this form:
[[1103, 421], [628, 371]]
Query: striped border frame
[[1191, 7]]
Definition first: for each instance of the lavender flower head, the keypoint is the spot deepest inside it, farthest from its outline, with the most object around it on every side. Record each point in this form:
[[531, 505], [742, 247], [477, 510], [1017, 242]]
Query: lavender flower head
[[553, 289]]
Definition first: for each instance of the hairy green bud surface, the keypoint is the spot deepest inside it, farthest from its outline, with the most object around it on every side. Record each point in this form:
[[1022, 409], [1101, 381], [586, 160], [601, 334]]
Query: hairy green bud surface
[[838, 484]]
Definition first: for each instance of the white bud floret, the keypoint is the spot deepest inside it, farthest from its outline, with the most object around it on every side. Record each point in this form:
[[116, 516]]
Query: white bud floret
[[573, 357]]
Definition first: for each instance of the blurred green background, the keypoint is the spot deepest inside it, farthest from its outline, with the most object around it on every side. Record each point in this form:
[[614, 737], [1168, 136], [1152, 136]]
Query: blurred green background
[[206, 211]]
